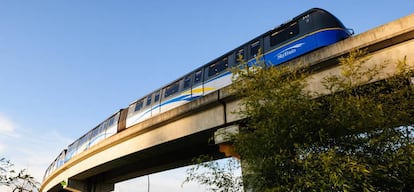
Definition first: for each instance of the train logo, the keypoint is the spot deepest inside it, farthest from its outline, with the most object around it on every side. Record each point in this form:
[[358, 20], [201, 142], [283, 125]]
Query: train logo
[[289, 51]]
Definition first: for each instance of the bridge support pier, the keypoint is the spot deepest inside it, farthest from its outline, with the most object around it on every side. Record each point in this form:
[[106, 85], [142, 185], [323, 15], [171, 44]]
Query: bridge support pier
[[95, 185], [74, 185], [101, 187], [98, 184], [222, 137]]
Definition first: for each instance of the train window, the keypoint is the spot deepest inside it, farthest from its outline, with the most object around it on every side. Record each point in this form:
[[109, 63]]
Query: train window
[[284, 34], [254, 49], [187, 81], [72, 147], [95, 132], [72, 150], [198, 76], [173, 88], [111, 121], [149, 98], [82, 143], [224, 64], [218, 67], [212, 69], [239, 56], [139, 105], [104, 125], [156, 96]]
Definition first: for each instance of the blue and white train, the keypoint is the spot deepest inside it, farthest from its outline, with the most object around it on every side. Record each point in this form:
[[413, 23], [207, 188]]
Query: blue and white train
[[306, 32]]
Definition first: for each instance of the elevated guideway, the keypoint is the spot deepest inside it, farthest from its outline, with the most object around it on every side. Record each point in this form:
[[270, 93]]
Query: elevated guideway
[[172, 139]]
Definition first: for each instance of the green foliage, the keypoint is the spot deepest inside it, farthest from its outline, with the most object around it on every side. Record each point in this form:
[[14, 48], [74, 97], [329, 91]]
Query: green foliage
[[20, 182], [357, 138], [217, 176]]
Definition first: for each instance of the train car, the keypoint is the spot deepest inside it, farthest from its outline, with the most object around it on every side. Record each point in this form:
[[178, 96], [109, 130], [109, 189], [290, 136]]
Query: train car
[[58, 162], [104, 130], [306, 32], [309, 31]]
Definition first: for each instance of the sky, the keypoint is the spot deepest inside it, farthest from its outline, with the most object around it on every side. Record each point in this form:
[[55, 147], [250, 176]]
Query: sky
[[65, 66]]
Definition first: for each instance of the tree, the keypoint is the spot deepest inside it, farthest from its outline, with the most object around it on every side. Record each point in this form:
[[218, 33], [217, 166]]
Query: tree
[[20, 182], [23, 182], [356, 138], [5, 171], [357, 135], [217, 176]]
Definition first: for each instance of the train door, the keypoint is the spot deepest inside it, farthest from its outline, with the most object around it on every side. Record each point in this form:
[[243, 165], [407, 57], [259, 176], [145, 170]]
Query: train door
[[72, 149], [147, 108], [134, 113], [172, 97], [217, 75], [83, 144], [254, 49], [156, 105], [97, 134], [111, 125], [197, 89], [186, 92], [239, 57]]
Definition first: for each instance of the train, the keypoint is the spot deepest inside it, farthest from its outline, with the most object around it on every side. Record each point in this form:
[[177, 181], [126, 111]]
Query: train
[[309, 31]]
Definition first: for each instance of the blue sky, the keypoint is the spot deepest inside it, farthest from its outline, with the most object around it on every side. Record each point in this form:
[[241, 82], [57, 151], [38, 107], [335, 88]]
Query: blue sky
[[67, 65]]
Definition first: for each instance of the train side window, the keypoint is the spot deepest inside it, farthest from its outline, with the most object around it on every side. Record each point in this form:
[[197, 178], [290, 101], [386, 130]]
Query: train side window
[[198, 76], [223, 65], [82, 143], [282, 35], [171, 89], [212, 69], [95, 132], [149, 98], [139, 105], [72, 148], [187, 81], [254, 49], [111, 121], [156, 96], [218, 67]]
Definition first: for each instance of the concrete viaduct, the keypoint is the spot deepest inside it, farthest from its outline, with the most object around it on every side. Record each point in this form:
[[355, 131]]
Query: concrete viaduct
[[172, 139]]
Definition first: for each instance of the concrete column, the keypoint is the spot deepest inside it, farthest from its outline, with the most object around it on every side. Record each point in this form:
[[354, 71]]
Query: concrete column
[[102, 187], [94, 185], [74, 185], [98, 184]]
